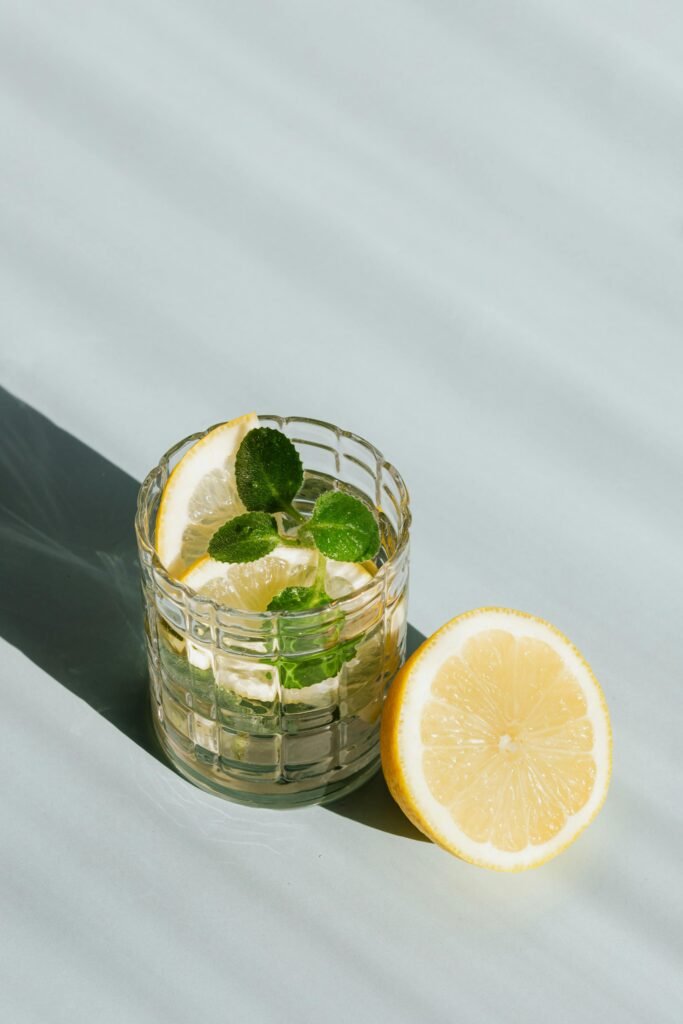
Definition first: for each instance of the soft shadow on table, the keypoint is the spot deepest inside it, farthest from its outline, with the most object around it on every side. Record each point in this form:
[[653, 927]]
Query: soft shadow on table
[[70, 597], [373, 804]]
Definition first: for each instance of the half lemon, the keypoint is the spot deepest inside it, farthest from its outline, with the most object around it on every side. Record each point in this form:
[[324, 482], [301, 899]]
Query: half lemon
[[496, 740]]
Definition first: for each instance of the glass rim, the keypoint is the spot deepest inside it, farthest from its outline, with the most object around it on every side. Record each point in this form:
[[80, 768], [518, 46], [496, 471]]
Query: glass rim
[[336, 604]]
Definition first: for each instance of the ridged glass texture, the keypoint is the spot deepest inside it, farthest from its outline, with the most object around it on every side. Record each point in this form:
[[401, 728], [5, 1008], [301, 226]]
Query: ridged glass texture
[[221, 711]]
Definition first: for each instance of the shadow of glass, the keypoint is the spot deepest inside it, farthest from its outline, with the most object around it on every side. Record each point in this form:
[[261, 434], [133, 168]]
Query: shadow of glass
[[373, 804], [71, 597]]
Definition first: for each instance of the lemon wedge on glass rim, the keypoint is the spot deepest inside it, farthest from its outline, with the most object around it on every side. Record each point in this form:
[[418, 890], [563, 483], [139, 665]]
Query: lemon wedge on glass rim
[[200, 495], [496, 740]]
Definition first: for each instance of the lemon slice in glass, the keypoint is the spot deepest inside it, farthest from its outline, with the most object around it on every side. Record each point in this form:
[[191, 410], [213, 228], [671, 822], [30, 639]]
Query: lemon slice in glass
[[251, 586]]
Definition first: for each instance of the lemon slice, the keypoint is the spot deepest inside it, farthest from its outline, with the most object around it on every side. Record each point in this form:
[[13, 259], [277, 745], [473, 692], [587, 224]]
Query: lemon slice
[[251, 586], [200, 495], [496, 740]]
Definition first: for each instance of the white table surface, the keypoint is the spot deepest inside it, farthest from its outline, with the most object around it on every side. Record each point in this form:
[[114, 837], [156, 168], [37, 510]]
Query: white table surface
[[457, 229]]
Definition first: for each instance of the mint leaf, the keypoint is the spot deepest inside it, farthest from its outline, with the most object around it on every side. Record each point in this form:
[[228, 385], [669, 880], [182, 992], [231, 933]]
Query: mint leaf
[[343, 528], [298, 599], [268, 471], [297, 673], [244, 538]]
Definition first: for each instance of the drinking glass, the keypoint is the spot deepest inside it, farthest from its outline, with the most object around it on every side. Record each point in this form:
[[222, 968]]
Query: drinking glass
[[227, 701]]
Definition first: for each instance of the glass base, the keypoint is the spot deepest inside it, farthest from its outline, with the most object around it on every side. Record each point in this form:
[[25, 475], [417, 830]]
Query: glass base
[[266, 793]]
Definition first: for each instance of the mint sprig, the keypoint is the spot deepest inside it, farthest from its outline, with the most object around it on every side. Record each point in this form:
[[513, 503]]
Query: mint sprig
[[268, 471], [343, 528], [300, 599], [269, 475], [245, 538], [297, 673]]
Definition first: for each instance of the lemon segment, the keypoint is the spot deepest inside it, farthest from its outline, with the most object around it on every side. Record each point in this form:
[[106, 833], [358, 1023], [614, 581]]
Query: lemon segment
[[496, 740]]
